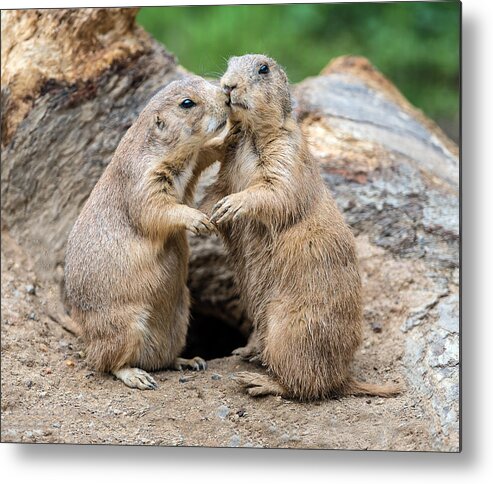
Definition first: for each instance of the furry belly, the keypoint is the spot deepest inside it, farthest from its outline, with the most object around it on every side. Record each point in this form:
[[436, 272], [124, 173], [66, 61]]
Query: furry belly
[[249, 252]]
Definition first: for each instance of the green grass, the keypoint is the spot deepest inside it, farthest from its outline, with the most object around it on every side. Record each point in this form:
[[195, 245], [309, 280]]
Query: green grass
[[414, 44]]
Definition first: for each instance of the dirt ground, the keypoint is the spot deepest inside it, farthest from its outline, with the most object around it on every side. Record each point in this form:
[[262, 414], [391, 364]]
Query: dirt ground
[[50, 395]]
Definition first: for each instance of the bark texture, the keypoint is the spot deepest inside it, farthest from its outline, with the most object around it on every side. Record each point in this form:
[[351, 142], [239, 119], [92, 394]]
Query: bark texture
[[93, 71], [73, 81]]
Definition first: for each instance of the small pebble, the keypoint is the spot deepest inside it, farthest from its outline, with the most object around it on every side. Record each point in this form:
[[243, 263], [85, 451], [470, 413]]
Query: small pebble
[[33, 316], [29, 383], [30, 289], [235, 441], [185, 379], [376, 327], [222, 411], [57, 425], [215, 376], [69, 363], [241, 413]]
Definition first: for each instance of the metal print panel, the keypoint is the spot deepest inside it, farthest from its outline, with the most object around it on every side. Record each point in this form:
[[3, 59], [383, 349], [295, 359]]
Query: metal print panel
[[232, 226]]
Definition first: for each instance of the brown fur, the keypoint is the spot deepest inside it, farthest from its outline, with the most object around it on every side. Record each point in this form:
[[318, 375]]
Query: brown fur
[[127, 255], [292, 252]]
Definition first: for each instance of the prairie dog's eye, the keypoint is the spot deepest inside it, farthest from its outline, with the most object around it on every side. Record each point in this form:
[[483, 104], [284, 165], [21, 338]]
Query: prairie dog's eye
[[187, 104], [264, 69]]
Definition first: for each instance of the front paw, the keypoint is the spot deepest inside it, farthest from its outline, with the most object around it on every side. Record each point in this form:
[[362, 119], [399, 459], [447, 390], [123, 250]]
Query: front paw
[[229, 208], [200, 224]]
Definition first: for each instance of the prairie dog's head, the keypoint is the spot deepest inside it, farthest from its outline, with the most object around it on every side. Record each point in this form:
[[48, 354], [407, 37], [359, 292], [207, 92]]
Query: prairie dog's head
[[258, 89], [184, 115]]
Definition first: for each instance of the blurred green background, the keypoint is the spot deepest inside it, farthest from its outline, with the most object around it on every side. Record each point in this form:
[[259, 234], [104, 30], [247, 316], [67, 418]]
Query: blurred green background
[[415, 44]]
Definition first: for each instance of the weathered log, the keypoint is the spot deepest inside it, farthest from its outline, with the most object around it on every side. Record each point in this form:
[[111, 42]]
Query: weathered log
[[393, 172], [89, 72]]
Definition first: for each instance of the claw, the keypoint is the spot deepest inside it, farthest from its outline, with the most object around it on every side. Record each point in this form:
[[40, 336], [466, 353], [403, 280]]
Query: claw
[[220, 209], [226, 210], [257, 385], [201, 226], [136, 378], [195, 364], [219, 204]]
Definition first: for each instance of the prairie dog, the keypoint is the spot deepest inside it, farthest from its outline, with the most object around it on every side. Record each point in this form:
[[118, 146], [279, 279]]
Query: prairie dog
[[293, 254], [126, 259]]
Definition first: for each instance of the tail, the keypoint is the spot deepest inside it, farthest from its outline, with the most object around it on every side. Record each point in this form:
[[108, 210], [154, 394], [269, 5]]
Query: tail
[[63, 319], [58, 310], [354, 387]]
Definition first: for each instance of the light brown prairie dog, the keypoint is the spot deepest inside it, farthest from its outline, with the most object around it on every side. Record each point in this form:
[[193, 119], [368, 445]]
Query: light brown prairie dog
[[292, 252], [126, 259]]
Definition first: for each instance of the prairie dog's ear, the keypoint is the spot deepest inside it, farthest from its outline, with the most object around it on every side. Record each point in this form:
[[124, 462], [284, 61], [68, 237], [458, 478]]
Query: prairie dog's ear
[[159, 122]]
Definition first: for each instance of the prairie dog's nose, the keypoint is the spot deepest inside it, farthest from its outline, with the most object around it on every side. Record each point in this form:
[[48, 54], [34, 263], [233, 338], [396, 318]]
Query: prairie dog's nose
[[228, 88]]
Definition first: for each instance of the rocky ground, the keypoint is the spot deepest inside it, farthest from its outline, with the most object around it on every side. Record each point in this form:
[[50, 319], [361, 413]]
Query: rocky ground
[[50, 395]]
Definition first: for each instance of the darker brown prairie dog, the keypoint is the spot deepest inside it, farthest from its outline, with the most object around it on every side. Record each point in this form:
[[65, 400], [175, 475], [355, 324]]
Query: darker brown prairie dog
[[127, 255], [292, 252]]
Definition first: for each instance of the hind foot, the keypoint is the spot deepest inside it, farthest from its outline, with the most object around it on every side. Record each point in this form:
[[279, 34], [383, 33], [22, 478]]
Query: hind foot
[[195, 364], [257, 385], [250, 352], [135, 378], [247, 353]]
